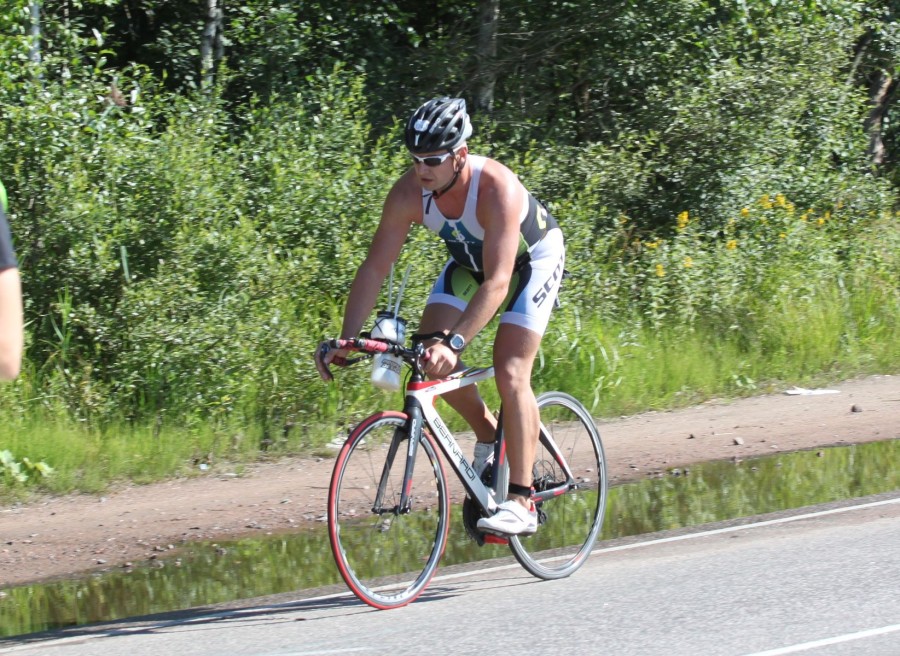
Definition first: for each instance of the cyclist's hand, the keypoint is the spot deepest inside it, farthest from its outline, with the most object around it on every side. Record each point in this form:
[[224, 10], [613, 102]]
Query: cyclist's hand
[[440, 360], [325, 355]]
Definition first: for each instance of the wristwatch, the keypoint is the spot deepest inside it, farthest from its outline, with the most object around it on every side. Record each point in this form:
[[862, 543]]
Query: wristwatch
[[456, 342]]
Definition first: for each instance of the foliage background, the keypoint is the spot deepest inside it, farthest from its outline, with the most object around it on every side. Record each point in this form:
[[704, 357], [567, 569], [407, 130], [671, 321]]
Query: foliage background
[[191, 191]]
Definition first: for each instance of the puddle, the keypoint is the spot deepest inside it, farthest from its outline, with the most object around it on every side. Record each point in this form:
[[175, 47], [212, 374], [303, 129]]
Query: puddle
[[210, 573]]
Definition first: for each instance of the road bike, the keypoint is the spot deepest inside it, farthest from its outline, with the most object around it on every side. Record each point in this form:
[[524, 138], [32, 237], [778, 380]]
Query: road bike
[[389, 497]]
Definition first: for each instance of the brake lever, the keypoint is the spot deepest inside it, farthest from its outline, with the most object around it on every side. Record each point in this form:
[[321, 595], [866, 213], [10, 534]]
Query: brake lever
[[324, 348]]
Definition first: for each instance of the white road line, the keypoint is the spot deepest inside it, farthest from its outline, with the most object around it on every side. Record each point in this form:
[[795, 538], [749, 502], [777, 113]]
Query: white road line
[[348, 650], [689, 536], [848, 637], [744, 527]]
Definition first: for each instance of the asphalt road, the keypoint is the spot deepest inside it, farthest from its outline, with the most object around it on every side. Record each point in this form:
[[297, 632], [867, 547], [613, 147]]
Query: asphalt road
[[822, 580]]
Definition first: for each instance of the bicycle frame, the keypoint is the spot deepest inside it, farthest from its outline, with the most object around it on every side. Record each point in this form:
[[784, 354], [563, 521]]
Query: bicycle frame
[[419, 408]]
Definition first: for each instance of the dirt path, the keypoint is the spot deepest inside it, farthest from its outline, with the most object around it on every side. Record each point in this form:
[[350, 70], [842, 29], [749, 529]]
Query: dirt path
[[62, 536]]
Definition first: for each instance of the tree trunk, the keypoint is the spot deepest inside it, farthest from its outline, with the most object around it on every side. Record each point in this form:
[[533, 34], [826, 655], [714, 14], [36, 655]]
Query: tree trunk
[[34, 53], [881, 94], [211, 43], [486, 72]]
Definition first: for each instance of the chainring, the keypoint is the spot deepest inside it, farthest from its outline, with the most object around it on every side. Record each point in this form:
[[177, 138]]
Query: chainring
[[471, 514]]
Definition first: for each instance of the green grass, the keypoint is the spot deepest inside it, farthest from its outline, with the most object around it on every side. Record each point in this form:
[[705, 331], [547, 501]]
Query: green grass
[[777, 298], [613, 367], [617, 370], [89, 460]]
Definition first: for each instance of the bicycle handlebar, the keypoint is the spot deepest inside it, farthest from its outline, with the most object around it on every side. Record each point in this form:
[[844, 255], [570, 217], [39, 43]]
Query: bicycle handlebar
[[366, 345], [369, 346]]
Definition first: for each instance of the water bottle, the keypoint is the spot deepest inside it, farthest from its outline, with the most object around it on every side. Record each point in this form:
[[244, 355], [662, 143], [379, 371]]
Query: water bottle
[[386, 367]]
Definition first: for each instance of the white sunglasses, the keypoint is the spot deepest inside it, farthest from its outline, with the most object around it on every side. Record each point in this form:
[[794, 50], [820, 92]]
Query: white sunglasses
[[432, 160]]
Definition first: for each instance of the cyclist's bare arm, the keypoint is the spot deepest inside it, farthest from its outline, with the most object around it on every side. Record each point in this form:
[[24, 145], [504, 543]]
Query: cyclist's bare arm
[[396, 219], [11, 331]]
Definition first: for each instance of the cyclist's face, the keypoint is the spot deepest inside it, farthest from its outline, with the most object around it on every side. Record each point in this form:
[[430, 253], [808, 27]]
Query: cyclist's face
[[434, 170]]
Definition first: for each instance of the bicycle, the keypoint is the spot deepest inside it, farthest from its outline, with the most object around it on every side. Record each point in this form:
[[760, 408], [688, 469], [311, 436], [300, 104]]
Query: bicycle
[[388, 516]]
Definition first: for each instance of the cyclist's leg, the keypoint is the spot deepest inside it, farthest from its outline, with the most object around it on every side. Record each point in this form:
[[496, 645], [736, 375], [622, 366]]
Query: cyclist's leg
[[514, 352], [466, 401], [515, 349], [522, 326]]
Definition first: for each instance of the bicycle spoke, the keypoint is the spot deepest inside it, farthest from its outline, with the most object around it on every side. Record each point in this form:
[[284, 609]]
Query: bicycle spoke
[[569, 522]]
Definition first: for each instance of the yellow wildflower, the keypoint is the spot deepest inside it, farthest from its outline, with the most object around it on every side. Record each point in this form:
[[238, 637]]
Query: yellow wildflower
[[781, 235], [652, 244], [745, 212], [688, 262], [820, 221], [731, 245], [683, 219], [660, 270], [766, 202], [780, 200]]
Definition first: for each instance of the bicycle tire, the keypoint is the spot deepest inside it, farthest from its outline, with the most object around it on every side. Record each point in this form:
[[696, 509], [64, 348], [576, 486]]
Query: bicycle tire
[[569, 523], [387, 558]]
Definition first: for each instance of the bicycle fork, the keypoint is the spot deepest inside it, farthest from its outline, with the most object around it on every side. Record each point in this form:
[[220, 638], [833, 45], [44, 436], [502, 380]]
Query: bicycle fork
[[410, 433]]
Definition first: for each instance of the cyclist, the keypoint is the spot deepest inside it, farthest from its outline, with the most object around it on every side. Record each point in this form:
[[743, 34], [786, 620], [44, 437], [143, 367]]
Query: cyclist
[[506, 253]]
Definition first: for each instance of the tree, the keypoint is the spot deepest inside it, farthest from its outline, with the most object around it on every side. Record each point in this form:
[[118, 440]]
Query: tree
[[486, 54], [211, 43], [34, 54], [876, 65]]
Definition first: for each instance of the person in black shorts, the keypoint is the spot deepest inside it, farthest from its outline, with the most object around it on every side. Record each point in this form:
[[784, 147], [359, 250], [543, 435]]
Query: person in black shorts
[[11, 322]]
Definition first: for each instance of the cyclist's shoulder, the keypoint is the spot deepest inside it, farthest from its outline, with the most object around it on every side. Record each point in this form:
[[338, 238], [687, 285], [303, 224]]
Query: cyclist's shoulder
[[498, 175], [405, 196]]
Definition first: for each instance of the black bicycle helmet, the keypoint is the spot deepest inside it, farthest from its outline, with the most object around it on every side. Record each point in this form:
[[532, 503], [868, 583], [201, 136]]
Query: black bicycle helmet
[[439, 124]]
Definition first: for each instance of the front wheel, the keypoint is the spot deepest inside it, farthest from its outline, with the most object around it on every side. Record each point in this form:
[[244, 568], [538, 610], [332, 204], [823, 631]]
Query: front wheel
[[385, 553], [570, 522]]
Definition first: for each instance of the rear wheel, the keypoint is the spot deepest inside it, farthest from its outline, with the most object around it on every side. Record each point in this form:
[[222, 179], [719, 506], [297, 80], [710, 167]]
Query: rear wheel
[[569, 523], [387, 554]]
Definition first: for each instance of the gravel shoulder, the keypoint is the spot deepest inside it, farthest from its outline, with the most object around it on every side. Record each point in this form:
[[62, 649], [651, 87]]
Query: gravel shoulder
[[60, 537]]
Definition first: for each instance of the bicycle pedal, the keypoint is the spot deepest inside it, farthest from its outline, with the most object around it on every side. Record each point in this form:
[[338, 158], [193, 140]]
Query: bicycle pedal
[[490, 538]]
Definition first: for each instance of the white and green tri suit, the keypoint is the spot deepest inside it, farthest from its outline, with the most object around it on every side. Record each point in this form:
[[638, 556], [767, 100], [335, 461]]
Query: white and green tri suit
[[539, 262]]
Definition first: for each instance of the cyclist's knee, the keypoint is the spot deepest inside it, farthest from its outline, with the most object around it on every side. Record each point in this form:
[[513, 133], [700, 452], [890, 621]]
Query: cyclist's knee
[[511, 379]]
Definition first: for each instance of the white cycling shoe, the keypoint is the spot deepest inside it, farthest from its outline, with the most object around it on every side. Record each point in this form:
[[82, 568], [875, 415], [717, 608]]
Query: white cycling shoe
[[511, 518]]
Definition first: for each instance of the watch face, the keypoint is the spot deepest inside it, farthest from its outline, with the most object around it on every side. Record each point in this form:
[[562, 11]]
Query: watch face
[[457, 342]]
